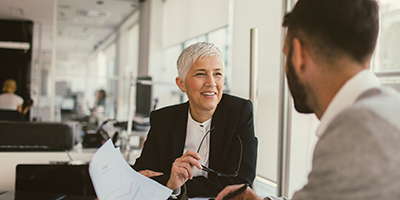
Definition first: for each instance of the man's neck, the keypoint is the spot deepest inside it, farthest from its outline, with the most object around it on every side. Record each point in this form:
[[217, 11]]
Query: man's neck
[[329, 85]]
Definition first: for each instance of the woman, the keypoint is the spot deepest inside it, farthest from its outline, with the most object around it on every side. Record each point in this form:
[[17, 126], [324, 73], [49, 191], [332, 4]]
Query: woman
[[9, 100], [175, 151]]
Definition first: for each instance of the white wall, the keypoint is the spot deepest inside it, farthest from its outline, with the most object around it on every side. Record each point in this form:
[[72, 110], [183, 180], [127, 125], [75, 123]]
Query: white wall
[[185, 19]]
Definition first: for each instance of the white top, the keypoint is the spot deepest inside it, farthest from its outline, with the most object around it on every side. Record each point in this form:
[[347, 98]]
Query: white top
[[346, 97], [9, 101], [194, 134]]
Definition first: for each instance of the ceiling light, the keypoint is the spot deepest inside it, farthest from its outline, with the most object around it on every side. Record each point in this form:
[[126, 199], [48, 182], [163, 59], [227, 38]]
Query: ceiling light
[[80, 36], [94, 13], [62, 16], [64, 6]]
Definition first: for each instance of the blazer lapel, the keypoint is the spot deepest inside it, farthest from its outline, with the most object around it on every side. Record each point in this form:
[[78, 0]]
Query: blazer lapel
[[217, 137], [179, 132]]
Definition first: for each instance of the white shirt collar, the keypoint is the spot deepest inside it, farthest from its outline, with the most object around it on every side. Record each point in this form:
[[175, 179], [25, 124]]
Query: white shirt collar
[[194, 134], [192, 122], [346, 96]]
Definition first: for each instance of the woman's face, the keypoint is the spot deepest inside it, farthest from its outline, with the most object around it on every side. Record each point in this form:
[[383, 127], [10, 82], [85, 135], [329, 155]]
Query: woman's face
[[204, 84]]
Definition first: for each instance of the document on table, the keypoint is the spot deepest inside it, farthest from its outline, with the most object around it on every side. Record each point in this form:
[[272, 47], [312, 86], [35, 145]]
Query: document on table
[[114, 179]]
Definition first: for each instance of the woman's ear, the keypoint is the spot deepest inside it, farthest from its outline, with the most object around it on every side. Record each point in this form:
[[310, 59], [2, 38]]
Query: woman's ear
[[179, 82]]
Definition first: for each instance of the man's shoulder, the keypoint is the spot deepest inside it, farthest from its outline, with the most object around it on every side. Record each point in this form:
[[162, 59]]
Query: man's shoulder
[[381, 103], [377, 96], [375, 111], [363, 139]]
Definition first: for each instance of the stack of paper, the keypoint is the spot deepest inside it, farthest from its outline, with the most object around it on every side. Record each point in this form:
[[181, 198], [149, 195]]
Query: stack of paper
[[114, 179]]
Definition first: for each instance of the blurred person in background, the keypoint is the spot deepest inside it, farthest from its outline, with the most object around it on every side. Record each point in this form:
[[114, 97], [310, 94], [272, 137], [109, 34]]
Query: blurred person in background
[[11, 101]]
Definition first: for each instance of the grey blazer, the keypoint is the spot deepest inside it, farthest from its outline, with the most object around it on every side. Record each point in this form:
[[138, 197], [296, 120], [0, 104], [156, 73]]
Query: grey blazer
[[358, 156]]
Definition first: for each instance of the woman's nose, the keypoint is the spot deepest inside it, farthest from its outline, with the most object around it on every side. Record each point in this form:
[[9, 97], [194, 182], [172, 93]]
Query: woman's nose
[[210, 81]]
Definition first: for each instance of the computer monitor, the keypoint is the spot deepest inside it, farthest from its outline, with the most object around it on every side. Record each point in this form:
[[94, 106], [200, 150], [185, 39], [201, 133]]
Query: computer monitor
[[144, 96]]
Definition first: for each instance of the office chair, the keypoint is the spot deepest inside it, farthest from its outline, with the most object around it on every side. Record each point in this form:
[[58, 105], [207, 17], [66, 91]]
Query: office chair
[[11, 115]]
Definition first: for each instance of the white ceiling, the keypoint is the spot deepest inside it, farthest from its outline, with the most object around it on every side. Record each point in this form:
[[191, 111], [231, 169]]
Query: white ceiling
[[81, 24]]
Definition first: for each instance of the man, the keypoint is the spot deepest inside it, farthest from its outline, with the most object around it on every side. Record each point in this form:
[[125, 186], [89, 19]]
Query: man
[[329, 45]]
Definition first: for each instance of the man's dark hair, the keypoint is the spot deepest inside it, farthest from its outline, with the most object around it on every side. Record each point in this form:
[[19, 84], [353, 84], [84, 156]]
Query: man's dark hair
[[335, 28]]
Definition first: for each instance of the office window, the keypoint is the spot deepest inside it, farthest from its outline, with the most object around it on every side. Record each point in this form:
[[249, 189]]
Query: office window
[[386, 57], [393, 82], [165, 91]]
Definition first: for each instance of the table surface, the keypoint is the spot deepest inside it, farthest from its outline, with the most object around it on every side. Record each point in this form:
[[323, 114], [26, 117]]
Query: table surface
[[20, 195]]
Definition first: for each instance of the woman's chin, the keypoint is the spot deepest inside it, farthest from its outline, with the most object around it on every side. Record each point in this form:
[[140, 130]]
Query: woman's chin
[[210, 107]]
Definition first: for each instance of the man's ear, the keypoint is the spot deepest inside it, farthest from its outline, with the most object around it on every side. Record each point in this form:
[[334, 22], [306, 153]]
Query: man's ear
[[299, 55], [179, 82]]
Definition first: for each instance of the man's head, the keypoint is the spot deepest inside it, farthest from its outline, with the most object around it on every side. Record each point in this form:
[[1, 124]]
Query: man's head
[[335, 29], [331, 32]]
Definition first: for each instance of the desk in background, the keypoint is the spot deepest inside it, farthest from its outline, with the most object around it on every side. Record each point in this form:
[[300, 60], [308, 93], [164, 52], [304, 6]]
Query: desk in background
[[9, 161], [17, 195]]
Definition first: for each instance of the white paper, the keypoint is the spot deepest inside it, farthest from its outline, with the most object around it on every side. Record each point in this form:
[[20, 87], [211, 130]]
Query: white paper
[[114, 179]]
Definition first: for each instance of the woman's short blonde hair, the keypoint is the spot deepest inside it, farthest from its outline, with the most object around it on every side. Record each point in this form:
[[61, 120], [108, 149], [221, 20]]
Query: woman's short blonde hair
[[194, 52], [9, 86]]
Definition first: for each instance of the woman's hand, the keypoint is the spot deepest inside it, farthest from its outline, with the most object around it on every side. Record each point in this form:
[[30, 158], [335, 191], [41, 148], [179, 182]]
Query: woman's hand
[[149, 173], [248, 194], [182, 169]]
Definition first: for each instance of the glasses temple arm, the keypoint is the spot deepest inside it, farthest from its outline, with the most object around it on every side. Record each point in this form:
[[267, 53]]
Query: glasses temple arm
[[241, 153], [198, 149]]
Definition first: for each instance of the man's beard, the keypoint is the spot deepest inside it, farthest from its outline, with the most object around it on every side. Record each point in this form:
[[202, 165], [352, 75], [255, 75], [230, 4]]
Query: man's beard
[[297, 89]]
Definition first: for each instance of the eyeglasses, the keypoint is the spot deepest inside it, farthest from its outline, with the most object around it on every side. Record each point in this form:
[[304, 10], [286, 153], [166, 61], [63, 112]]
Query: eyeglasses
[[217, 172]]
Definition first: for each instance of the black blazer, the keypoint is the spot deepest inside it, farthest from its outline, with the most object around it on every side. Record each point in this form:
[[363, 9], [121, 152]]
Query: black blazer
[[166, 140]]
